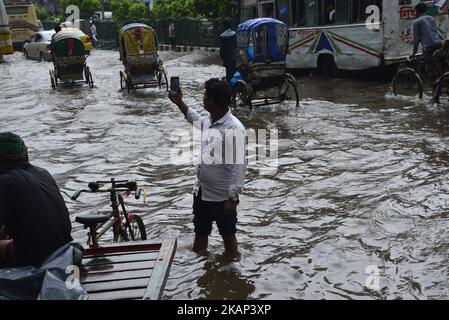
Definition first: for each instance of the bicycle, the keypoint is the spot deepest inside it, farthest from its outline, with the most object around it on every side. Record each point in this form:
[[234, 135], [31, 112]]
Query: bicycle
[[409, 80], [125, 226]]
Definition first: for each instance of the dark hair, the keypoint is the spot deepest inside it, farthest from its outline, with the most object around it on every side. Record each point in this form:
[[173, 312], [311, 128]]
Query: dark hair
[[57, 27], [421, 8], [219, 91], [226, 24]]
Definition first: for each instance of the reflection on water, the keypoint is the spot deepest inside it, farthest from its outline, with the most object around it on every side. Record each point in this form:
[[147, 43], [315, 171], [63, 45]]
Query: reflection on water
[[223, 281], [361, 182]]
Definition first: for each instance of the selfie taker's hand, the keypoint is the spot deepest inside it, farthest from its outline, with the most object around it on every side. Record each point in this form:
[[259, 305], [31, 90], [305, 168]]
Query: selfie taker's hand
[[230, 207], [176, 98]]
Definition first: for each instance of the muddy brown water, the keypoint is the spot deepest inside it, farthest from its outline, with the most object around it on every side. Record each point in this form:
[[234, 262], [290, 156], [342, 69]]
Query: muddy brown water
[[361, 182]]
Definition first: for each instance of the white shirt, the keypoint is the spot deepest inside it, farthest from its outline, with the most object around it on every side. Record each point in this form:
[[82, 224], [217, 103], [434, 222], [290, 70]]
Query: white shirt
[[221, 169]]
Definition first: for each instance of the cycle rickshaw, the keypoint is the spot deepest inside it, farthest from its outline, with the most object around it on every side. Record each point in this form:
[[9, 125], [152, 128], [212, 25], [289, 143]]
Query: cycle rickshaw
[[138, 52], [69, 60], [262, 46]]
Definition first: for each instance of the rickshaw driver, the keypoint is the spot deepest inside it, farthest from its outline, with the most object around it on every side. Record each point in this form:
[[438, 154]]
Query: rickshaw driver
[[34, 220]]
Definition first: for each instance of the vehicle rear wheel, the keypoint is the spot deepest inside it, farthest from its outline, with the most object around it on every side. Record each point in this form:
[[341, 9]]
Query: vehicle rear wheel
[[289, 91], [137, 228], [41, 57], [407, 82], [25, 53], [442, 92]]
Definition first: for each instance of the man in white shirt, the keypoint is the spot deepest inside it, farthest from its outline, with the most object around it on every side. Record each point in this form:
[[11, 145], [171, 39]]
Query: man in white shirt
[[219, 177]]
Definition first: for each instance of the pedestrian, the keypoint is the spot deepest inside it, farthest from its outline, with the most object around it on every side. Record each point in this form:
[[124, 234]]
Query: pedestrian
[[228, 48], [34, 220], [93, 33], [218, 183], [172, 35]]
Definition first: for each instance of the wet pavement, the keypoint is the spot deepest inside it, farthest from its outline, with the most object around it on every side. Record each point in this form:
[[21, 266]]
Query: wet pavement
[[361, 185]]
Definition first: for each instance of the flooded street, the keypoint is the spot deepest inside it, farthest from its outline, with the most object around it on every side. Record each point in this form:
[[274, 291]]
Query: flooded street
[[362, 182]]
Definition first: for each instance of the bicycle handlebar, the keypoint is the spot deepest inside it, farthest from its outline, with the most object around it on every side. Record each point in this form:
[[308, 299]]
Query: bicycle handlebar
[[119, 186]]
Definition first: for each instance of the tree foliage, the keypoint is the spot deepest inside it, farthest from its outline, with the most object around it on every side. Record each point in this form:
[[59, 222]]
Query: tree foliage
[[42, 13]]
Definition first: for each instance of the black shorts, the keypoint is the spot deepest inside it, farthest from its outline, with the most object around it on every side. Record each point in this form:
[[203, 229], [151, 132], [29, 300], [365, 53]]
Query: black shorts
[[206, 212]]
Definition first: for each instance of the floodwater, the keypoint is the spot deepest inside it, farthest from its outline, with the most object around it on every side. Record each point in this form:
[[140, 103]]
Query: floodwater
[[361, 188]]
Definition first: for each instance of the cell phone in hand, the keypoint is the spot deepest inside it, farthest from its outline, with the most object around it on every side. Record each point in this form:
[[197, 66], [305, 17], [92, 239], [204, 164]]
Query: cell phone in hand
[[174, 85]]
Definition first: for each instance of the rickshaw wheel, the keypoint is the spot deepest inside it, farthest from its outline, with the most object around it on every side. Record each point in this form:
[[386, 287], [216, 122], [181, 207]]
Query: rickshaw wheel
[[241, 92], [86, 74], [91, 80], [128, 85], [121, 81], [52, 80], [289, 91]]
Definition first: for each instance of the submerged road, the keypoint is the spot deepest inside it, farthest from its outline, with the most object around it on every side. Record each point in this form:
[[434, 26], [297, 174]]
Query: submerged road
[[361, 188]]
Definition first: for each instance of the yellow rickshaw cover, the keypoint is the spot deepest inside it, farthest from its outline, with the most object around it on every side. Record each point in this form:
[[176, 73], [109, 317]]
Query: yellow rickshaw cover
[[137, 39]]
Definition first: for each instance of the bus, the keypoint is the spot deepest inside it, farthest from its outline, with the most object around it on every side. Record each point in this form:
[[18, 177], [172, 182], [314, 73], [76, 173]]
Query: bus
[[332, 35], [23, 21], [5, 35]]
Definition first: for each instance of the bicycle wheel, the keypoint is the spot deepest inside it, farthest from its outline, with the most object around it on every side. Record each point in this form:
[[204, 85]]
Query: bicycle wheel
[[407, 82], [442, 92], [137, 228]]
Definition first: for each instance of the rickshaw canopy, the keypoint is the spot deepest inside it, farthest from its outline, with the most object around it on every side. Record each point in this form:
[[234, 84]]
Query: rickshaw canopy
[[137, 39], [267, 37], [67, 43]]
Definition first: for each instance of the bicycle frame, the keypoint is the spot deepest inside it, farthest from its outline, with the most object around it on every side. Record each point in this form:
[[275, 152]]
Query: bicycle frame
[[116, 221]]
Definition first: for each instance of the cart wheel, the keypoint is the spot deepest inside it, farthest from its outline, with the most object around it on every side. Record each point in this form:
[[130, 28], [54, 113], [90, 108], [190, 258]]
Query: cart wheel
[[128, 85], [289, 91]]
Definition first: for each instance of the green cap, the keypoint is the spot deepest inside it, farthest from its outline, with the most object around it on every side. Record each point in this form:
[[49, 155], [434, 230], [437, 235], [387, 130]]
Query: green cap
[[12, 147]]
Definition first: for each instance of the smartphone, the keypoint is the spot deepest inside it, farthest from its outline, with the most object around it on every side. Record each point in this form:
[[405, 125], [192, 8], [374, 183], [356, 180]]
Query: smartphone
[[174, 85]]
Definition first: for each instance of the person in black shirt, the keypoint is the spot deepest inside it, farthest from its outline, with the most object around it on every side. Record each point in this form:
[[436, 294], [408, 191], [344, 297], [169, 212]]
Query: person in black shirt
[[34, 220]]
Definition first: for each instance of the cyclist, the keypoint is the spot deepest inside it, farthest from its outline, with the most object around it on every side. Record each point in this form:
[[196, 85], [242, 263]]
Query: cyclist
[[34, 220], [425, 32]]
